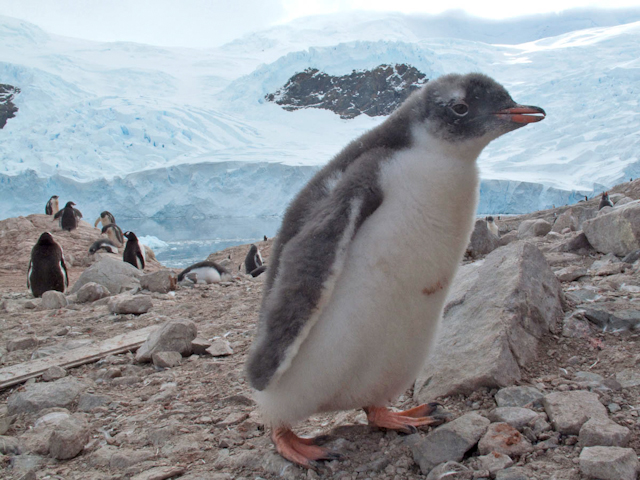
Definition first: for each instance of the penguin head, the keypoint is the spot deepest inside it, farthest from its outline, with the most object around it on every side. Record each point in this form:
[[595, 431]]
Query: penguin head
[[471, 107], [253, 250], [130, 236], [54, 197], [69, 205], [46, 239], [489, 219]]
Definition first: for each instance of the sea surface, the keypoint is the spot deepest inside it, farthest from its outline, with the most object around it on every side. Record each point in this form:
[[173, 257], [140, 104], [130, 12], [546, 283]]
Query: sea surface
[[178, 243]]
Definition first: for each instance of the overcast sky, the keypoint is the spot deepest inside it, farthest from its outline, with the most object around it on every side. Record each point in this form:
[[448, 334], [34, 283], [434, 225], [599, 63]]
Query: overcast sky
[[208, 23]]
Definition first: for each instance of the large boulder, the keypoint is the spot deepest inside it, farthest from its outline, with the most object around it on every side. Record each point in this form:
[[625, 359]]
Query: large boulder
[[115, 275], [533, 228], [565, 220], [173, 336], [482, 240], [617, 231], [497, 312], [38, 396]]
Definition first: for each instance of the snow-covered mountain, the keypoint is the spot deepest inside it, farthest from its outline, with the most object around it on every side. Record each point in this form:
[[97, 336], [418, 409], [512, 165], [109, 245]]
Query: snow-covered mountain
[[149, 131]]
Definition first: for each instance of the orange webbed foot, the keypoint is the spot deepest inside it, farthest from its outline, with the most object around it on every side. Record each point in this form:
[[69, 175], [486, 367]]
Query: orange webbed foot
[[301, 451], [406, 421]]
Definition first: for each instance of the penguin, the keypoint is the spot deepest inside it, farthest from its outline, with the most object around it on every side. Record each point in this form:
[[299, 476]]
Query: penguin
[[253, 260], [106, 218], [205, 272], [52, 206], [103, 244], [114, 233], [604, 201], [133, 251], [265, 239], [361, 266], [68, 217], [493, 228], [258, 271], [47, 270]]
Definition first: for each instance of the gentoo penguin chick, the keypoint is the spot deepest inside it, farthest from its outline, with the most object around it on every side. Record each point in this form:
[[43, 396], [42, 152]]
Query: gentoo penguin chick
[[604, 201], [103, 244], [106, 218], [133, 251], [47, 270], [68, 217], [253, 260], [52, 206], [360, 269], [114, 233], [205, 272], [493, 228]]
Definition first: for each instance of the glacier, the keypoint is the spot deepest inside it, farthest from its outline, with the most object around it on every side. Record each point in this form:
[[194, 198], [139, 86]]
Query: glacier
[[160, 133]]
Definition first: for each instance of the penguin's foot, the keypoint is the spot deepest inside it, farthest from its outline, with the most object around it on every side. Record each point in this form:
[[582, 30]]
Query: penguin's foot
[[302, 451], [406, 421]]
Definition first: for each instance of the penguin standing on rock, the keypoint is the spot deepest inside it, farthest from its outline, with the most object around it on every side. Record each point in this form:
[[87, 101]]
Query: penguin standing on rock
[[68, 217], [47, 270], [106, 218], [52, 206], [364, 258], [491, 225], [114, 233], [253, 260], [604, 201], [133, 251]]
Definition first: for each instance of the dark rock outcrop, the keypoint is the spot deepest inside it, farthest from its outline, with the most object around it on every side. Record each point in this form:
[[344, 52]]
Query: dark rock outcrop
[[372, 92], [7, 108]]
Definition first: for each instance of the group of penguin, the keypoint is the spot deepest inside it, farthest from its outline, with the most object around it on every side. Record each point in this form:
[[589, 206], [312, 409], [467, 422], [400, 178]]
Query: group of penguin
[[47, 270]]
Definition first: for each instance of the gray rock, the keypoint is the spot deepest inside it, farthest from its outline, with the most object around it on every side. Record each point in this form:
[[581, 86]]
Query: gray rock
[[159, 473], [617, 231], [199, 346], [517, 417], [568, 411], [125, 458], [117, 276], [91, 291], [575, 327], [35, 397], [69, 438], [589, 379], [162, 281], [5, 423], [570, 273], [623, 200], [533, 228], [493, 462], [496, 314], [582, 295], [609, 463], [513, 473], [603, 432], [503, 438], [579, 243], [565, 220], [220, 348], [628, 378], [53, 299], [23, 464], [88, 401], [632, 257], [126, 304], [450, 471], [10, 446], [448, 442], [509, 237], [54, 373], [482, 240], [166, 359], [612, 316], [173, 336], [22, 343]]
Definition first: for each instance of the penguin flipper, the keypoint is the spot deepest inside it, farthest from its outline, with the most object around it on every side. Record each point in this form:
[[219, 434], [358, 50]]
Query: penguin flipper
[[309, 264], [140, 258], [63, 266], [58, 214], [29, 276]]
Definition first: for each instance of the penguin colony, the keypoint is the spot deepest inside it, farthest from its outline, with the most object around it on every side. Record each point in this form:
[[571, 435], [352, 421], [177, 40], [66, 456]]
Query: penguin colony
[[365, 256]]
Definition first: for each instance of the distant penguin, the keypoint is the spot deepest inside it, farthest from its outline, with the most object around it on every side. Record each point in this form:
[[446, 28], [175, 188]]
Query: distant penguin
[[205, 272], [106, 218], [253, 260], [52, 206], [604, 201], [103, 244], [114, 233], [493, 228], [265, 238], [47, 270], [68, 217], [133, 251]]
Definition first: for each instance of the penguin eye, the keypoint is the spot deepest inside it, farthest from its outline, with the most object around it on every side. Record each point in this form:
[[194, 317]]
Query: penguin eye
[[460, 109]]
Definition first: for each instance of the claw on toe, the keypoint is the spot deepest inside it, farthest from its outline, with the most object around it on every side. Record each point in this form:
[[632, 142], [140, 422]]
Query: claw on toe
[[302, 451], [406, 421]]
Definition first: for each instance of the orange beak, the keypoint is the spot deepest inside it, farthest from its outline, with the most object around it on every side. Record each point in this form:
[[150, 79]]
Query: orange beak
[[522, 114]]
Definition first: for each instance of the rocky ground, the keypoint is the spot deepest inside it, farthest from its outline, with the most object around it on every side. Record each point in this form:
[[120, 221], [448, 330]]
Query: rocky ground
[[572, 412]]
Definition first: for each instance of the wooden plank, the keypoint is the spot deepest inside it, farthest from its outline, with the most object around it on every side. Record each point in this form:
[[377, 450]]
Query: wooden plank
[[73, 358]]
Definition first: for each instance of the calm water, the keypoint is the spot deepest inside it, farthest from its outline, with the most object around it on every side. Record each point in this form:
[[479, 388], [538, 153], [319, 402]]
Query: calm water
[[184, 242]]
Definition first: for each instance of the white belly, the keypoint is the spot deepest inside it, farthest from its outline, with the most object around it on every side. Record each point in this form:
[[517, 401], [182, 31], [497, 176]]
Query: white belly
[[376, 330], [206, 275]]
